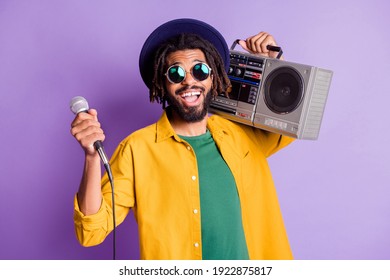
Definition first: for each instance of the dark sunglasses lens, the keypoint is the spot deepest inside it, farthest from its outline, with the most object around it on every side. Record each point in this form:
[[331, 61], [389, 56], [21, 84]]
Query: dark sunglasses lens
[[200, 71], [176, 74]]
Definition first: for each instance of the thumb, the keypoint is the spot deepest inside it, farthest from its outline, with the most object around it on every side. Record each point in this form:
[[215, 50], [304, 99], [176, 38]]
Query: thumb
[[243, 44]]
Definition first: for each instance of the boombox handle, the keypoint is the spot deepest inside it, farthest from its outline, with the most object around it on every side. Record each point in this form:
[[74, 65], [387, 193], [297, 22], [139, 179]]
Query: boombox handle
[[269, 47]]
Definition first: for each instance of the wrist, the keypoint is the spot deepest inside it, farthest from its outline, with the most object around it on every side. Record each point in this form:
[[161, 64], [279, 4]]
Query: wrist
[[92, 157]]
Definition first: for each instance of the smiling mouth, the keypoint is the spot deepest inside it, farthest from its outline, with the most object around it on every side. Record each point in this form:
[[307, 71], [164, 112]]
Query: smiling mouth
[[190, 96]]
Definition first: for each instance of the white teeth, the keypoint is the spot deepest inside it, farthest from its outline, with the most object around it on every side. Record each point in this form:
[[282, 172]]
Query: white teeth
[[186, 94]]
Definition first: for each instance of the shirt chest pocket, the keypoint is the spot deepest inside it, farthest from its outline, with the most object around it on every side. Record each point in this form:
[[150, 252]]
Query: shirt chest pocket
[[250, 171]]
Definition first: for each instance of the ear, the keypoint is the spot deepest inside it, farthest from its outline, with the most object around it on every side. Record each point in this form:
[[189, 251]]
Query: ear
[[164, 103], [212, 81]]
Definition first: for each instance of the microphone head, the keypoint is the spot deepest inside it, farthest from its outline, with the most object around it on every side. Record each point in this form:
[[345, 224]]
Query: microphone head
[[78, 104]]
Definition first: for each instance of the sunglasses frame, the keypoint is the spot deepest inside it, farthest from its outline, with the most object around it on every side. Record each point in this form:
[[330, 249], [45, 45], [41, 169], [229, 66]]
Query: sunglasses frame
[[185, 72]]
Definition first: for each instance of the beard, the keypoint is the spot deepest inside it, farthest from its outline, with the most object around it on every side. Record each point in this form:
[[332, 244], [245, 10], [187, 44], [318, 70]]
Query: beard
[[190, 114]]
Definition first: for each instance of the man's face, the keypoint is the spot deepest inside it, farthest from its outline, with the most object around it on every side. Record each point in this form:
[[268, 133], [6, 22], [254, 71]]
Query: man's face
[[190, 98]]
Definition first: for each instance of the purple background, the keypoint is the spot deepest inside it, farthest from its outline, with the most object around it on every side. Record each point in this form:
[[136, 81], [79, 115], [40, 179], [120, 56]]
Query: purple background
[[334, 192]]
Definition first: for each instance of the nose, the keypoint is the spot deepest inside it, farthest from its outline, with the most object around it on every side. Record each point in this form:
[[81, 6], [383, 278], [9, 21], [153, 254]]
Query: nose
[[189, 79]]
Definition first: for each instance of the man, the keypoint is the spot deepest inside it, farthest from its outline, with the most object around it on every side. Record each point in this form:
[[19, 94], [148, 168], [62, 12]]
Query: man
[[200, 187]]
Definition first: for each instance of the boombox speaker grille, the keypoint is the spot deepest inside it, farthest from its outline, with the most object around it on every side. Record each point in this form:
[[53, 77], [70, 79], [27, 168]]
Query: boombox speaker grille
[[283, 90]]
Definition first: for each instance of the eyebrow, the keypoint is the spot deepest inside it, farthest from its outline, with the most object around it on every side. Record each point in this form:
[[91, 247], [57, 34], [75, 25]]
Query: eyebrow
[[195, 60]]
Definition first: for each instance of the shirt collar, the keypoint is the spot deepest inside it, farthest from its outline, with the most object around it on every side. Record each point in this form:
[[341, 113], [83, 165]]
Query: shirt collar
[[164, 129], [216, 129]]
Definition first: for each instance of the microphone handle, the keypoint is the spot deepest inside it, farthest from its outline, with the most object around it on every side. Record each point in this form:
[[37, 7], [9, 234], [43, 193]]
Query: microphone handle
[[99, 148]]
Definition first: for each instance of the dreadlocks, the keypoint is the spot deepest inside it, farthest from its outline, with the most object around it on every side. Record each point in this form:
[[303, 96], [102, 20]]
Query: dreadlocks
[[221, 82]]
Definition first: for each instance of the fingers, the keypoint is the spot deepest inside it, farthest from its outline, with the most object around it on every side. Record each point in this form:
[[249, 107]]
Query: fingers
[[258, 44], [87, 130], [92, 114]]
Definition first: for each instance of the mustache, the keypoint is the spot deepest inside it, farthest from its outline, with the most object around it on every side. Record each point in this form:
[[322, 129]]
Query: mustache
[[185, 88]]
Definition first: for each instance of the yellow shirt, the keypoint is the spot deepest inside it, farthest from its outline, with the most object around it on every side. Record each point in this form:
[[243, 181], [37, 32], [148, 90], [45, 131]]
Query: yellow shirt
[[155, 174]]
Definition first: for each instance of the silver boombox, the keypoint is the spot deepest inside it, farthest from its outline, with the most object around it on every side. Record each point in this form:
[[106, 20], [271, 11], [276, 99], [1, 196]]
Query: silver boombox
[[274, 95]]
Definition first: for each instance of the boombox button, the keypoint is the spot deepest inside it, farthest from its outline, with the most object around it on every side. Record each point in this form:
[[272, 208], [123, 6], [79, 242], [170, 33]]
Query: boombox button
[[255, 64], [243, 115]]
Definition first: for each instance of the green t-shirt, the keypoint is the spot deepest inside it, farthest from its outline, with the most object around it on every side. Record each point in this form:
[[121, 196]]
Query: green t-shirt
[[222, 232]]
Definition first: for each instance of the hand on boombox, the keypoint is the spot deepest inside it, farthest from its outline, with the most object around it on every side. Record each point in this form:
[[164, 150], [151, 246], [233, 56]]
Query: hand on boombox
[[259, 44]]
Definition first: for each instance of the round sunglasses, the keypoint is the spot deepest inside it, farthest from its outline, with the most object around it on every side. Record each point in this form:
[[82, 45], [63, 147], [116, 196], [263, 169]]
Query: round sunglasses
[[176, 74]]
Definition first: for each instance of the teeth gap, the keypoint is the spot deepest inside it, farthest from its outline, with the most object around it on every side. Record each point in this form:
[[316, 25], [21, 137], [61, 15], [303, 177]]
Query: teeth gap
[[190, 94]]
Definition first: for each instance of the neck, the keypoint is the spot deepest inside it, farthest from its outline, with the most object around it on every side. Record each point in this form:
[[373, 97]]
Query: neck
[[184, 128]]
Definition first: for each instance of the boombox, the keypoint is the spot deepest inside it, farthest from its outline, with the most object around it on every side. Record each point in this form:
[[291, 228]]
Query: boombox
[[275, 95]]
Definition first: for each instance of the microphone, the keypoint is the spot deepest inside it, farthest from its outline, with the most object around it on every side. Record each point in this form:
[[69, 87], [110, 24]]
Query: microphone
[[79, 104]]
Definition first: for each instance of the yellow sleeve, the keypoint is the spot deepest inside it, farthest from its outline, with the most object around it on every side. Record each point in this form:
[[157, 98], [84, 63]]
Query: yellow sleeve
[[93, 229]]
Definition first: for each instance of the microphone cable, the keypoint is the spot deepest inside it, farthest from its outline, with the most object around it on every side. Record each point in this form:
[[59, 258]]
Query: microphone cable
[[100, 149], [111, 178]]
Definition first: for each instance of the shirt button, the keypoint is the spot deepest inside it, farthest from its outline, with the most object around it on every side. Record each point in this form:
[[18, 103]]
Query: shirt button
[[195, 211], [193, 178], [189, 148], [196, 244]]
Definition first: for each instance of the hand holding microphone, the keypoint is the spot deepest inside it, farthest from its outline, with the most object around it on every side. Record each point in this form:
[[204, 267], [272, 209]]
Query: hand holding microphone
[[86, 128]]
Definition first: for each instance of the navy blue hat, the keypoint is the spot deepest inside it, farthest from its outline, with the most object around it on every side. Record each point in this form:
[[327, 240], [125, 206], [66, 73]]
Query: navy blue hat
[[174, 28]]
